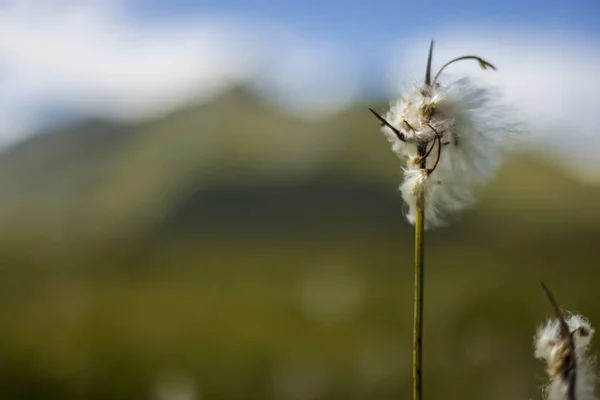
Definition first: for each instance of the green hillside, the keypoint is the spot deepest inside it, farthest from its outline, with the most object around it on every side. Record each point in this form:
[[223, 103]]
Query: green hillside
[[239, 253]]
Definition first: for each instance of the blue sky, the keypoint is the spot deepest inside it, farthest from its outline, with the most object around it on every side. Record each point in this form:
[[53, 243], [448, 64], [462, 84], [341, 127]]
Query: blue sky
[[367, 28], [377, 20]]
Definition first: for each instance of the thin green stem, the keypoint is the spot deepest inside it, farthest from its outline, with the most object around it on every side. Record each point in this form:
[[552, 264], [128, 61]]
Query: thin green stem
[[418, 304]]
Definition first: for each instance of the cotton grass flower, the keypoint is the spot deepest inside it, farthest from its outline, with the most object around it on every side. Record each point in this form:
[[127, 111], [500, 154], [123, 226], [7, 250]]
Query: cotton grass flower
[[564, 345], [451, 137]]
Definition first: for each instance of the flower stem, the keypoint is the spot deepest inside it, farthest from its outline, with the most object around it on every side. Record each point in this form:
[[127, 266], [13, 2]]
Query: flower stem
[[418, 303]]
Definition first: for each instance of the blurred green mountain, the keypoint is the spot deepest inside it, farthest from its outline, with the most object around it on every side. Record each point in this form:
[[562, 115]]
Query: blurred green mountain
[[229, 251], [234, 163]]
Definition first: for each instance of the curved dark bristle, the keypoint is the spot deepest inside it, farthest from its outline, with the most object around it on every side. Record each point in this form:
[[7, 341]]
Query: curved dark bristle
[[570, 368], [383, 122], [428, 70]]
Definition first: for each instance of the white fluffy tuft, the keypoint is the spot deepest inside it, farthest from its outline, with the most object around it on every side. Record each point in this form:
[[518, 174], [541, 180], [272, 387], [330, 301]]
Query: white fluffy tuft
[[473, 127], [549, 346]]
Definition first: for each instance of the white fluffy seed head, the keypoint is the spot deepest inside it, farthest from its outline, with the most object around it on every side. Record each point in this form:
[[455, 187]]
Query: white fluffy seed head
[[473, 128], [551, 348], [548, 335], [415, 184]]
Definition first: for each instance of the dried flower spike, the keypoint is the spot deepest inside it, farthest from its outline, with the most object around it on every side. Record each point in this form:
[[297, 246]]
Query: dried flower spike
[[564, 344], [467, 125]]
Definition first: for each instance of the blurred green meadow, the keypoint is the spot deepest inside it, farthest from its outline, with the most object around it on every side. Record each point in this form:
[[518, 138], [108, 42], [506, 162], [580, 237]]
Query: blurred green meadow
[[228, 251]]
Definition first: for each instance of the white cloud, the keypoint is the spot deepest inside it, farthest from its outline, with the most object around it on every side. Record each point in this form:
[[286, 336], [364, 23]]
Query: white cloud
[[97, 59], [550, 77], [90, 58]]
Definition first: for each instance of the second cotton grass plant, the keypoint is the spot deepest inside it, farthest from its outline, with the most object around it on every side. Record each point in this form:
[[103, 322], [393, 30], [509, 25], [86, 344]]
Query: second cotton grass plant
[[451, 138], [564, 345]]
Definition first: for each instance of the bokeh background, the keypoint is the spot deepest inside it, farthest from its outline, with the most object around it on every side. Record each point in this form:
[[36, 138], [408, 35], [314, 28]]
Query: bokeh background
[[195, 202]]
